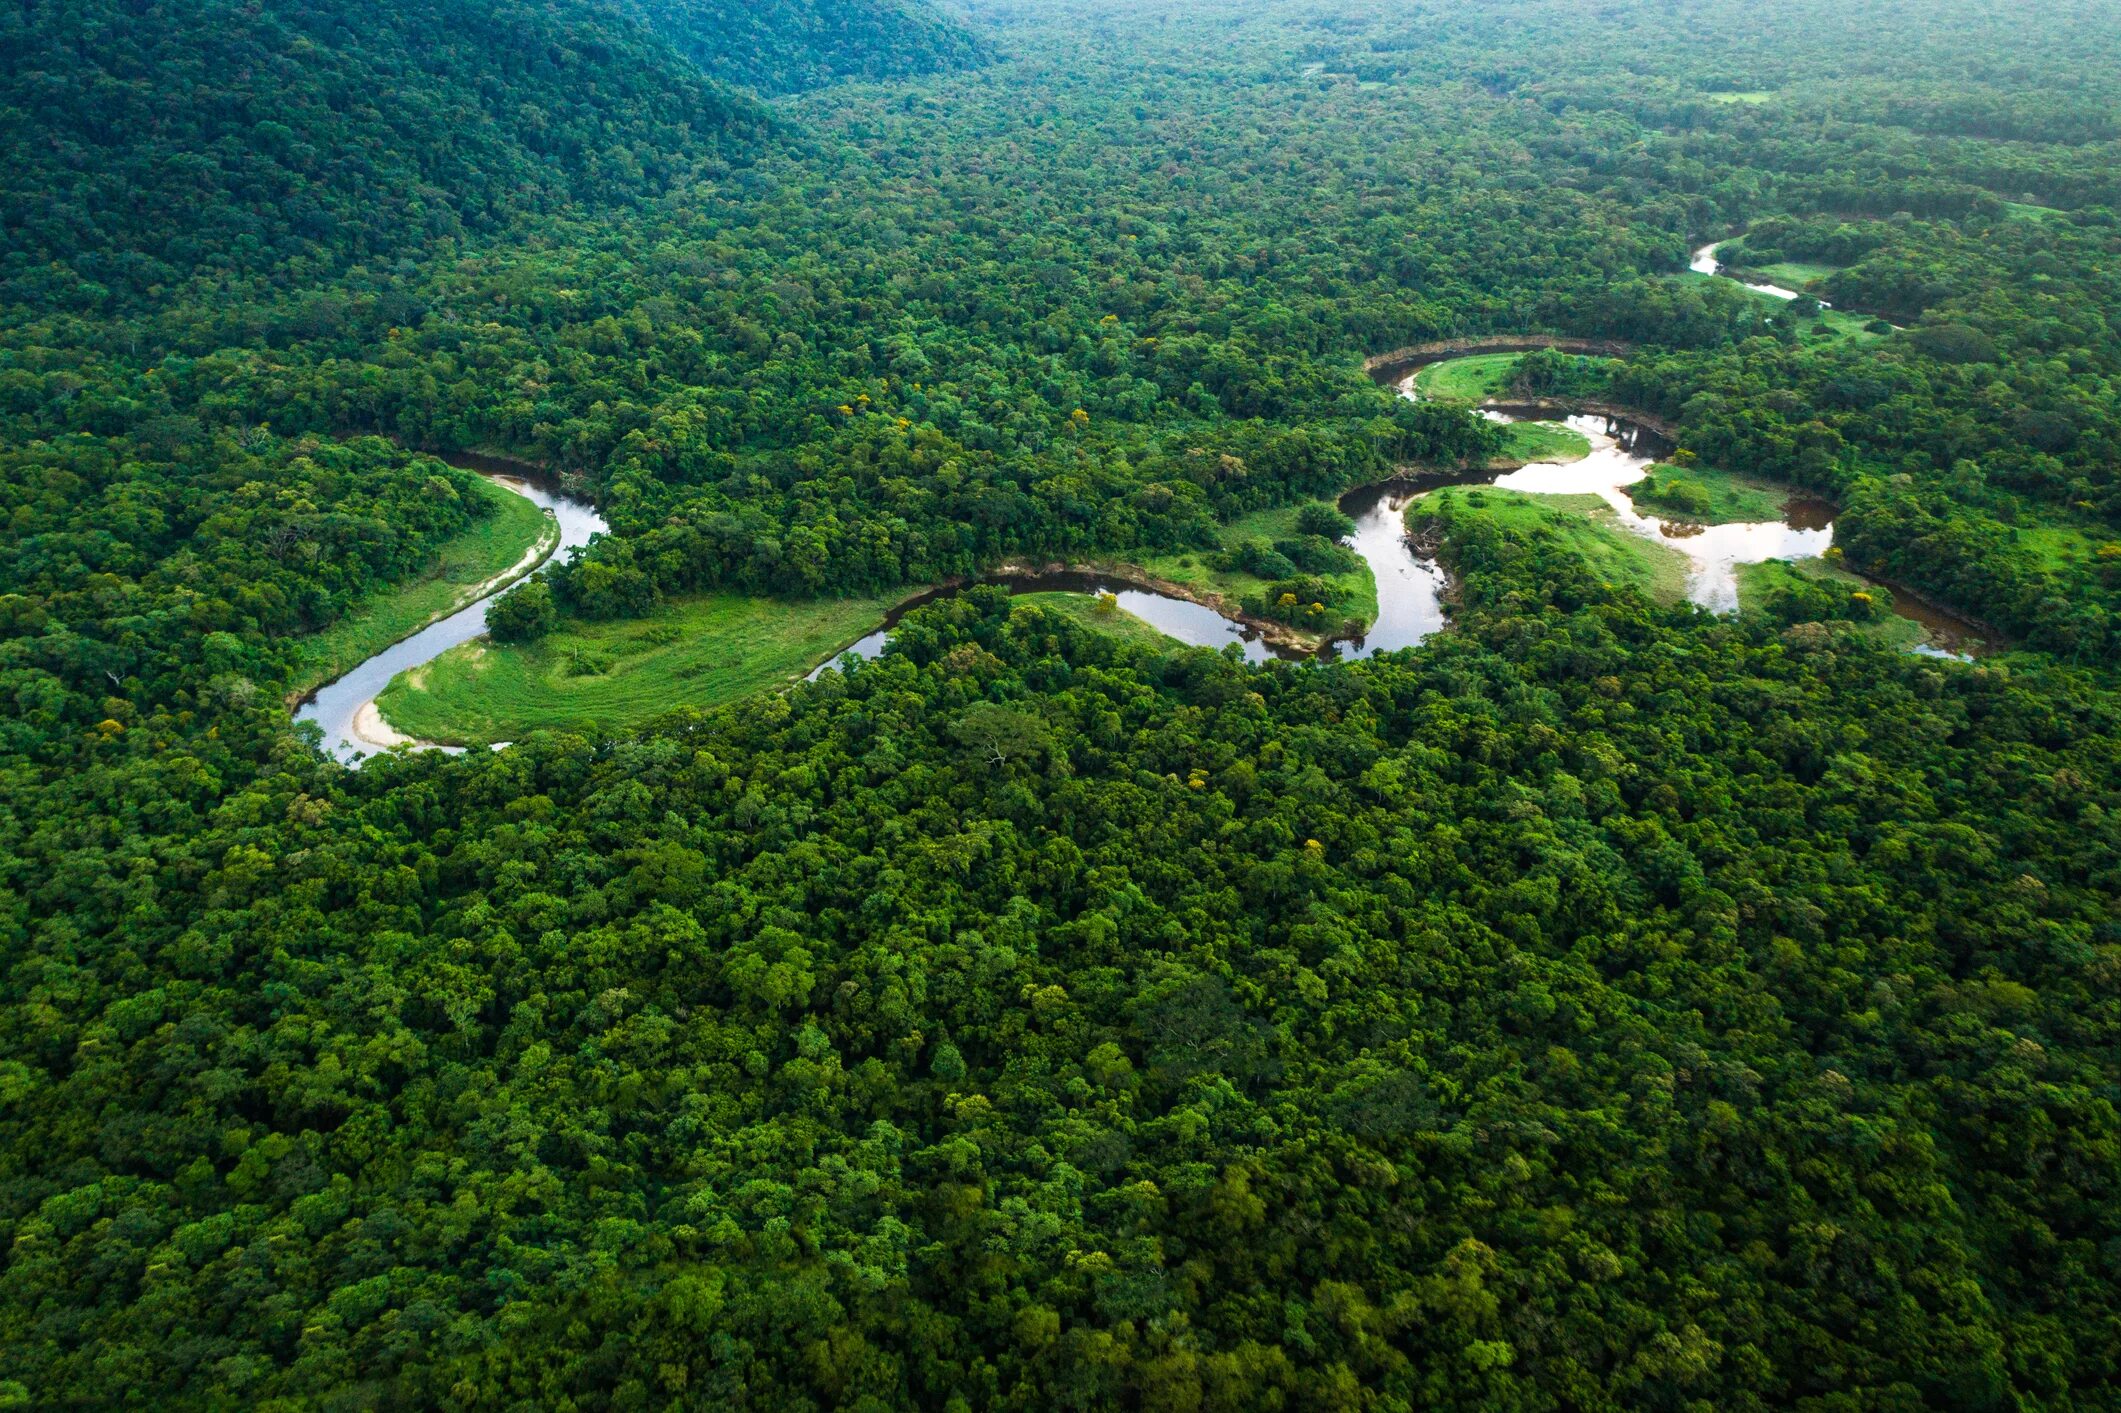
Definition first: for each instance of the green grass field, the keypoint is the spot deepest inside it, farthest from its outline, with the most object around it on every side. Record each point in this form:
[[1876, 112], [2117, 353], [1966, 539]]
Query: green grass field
[[1792, 274], [1471, 379], [1723, 496], [1834, 325], [610, 676], [1357, 589], [462, 564], [1111, 620], [1839, 326], [1751, 95], [1583, 524], [2027, 212], [1542, 441], [1757, 581], [2046, 534]]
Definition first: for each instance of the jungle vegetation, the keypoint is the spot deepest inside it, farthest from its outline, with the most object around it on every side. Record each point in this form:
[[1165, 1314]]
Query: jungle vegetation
[[1602, 1005]]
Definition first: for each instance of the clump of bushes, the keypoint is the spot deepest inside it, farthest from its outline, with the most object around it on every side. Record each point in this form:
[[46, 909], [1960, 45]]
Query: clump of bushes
[[1325, 521], [1549, 372], [1285, 558], [524, 614], [1807, 600], [1681, 497], [1304, 601]]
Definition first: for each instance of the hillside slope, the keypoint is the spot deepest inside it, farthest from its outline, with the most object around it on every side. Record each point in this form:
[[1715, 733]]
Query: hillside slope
[[785, 46], [150, 145]]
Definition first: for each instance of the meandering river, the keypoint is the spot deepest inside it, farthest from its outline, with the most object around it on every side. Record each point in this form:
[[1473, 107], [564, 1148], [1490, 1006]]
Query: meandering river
[[346, 708], [1705, 263], [1411, 587]]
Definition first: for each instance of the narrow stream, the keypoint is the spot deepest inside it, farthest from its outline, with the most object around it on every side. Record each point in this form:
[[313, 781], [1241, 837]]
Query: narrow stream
[[345, 708], [1191, 623], [1705, 263]]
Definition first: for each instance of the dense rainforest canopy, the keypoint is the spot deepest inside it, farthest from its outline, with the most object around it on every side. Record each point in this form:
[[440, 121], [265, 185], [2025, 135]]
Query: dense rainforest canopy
[[1605, 1004], [786, 46]]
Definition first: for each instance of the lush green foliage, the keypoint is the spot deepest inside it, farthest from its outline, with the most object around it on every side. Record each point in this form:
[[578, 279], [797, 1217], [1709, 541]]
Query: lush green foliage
[[140, 570], [183, 144], [782, 46], [1410, 1027], [509, 541], [1707, 495], [1601, 1006], [522, 615]]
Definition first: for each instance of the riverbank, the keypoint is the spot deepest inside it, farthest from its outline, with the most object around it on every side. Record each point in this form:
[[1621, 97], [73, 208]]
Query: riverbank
[[1099, 614], [1395, 364], [512, 541], [700, 650], [1291, 641], [1563, 407], [345, 709], [1946, 626]]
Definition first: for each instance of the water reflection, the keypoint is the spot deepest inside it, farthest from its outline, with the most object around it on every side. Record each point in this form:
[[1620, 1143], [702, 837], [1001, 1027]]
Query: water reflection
[[1410, 585]]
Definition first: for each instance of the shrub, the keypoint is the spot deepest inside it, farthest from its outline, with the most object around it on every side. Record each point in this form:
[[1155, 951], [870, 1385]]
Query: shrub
[[1324, 520], [524, 614]]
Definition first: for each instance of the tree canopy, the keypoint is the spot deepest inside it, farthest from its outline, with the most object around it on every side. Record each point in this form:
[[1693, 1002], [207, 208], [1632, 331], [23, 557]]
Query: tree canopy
[[1603, 1005]]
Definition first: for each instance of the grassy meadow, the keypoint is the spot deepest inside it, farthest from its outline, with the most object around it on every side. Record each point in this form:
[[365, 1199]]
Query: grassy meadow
[[696, 651], [1473, 378], [490, 547], [1584, 524]]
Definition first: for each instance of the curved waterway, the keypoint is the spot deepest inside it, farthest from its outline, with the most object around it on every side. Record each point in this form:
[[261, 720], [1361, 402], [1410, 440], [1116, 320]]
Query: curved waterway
[[1192, 623], [1622, 453], [1706, 263], [346, 708], [1411, 586]]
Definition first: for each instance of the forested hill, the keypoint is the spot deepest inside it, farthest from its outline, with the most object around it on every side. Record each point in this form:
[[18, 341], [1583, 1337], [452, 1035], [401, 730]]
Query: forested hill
[[785, 46], [145, 145], [199, 138]]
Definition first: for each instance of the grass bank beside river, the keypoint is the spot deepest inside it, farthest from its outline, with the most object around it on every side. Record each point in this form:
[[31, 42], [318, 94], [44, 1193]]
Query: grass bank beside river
[[509, 542]]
